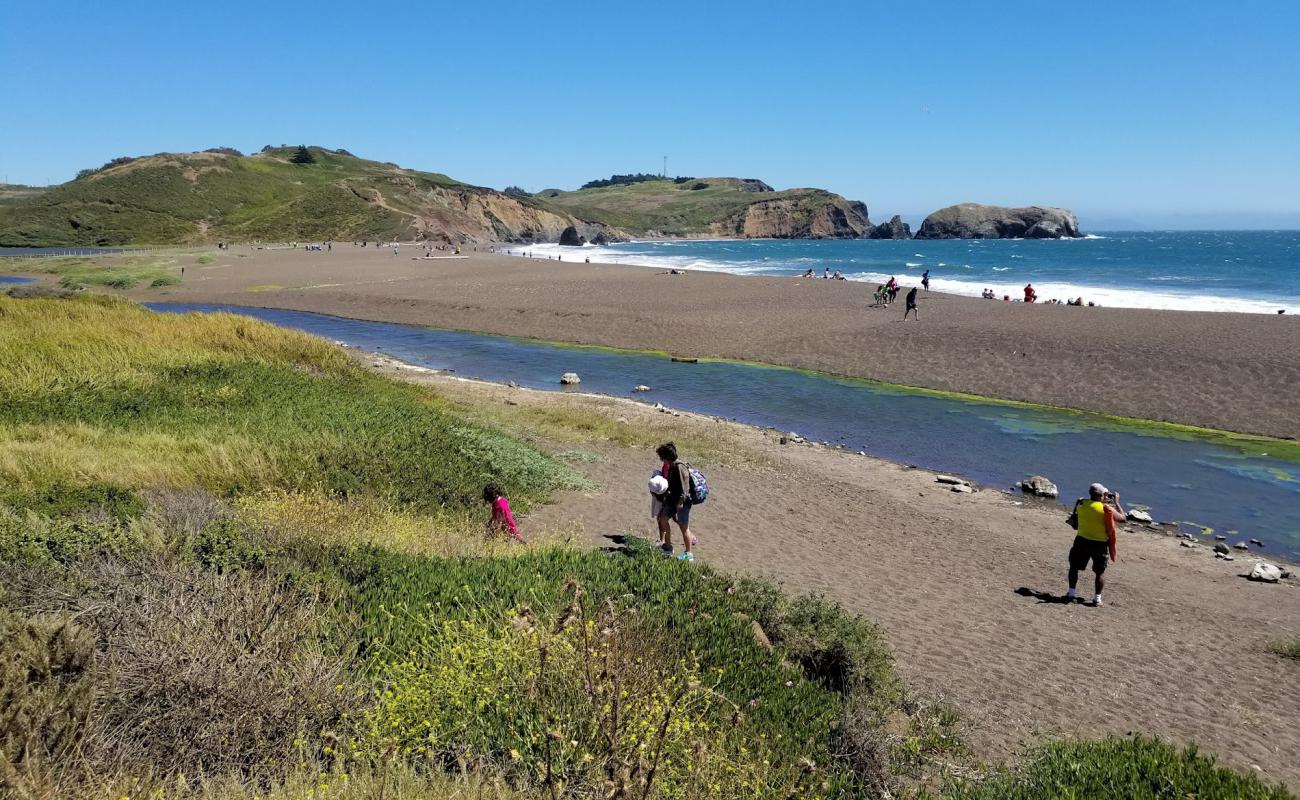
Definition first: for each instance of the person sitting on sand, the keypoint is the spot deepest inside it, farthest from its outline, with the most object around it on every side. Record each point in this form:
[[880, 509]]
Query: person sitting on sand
[[1030, 294], [502, 521], [911, 306], [837, 276], [809, 273], [826, 274], [676, 502], [1096, 517]]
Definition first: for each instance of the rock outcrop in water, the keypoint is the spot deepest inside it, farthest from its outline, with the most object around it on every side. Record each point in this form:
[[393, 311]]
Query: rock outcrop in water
[[570, 237], [894, 229], [976, 221]]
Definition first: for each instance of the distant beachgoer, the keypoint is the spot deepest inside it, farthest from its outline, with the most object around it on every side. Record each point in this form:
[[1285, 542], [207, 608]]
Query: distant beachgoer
[[839, 276], [925, 280], [809, 273], [587, 260], [826, 273], [676, 502], [1094, 518], [911, 306], [1030, 294]]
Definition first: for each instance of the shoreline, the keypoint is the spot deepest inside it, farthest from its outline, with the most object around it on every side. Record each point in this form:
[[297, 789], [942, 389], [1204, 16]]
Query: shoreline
[[1222, 371]]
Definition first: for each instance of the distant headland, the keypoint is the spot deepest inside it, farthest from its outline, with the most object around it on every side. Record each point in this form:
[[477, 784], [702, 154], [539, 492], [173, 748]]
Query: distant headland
[[308, 193]]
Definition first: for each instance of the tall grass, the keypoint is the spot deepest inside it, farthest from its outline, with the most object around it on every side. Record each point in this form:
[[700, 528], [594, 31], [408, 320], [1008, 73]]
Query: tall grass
[[231, 405]]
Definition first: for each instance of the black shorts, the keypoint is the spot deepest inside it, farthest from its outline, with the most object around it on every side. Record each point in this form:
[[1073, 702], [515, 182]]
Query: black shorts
[[1085, 550]]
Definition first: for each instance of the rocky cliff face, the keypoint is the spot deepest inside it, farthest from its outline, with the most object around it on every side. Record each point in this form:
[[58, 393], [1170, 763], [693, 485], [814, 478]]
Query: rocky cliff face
[[894, 229], [975, 221], [831, 217], [484, 215]]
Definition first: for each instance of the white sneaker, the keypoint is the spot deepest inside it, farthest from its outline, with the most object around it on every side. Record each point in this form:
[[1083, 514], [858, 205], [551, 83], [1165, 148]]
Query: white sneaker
[[1096, 601]]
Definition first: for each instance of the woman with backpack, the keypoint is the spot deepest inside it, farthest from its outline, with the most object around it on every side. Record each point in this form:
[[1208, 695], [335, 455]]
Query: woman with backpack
[[677, 502]]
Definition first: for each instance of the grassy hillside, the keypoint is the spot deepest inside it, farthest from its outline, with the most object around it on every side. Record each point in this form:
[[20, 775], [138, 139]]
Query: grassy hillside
[[697, 207], [235, 564], [202, 197]]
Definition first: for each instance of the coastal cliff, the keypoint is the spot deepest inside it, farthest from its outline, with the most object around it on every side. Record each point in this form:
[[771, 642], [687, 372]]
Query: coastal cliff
[[737, 208], [190, 198], [976, 221]]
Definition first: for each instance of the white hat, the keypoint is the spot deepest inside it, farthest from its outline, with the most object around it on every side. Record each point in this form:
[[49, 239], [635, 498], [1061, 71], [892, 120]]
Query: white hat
[[658, 484], [1098, 490]]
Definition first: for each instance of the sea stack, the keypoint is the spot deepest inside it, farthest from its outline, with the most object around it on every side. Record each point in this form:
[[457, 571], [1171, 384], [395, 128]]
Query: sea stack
[[894, 229], [976, 221]]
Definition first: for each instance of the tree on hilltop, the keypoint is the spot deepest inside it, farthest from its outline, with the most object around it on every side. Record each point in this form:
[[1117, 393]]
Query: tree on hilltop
[[302, 156]]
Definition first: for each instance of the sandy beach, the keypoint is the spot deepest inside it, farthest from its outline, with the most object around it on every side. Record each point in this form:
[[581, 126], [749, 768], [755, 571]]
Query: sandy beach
[[963, 585], [1236, 372]]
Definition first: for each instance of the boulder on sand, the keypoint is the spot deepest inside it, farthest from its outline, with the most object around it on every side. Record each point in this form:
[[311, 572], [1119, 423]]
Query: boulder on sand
[[1039, 486], [570, 379], [1266, 573], [1138, 515]]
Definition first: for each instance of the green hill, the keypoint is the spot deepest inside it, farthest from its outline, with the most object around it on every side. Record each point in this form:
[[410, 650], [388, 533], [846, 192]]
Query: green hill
[[180, 198], [717, 207]]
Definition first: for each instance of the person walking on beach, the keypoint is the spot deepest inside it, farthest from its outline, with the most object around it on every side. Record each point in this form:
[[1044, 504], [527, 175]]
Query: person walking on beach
[[1094, 518], [911, 306], [925, 280], [501, 521], [676, 502]]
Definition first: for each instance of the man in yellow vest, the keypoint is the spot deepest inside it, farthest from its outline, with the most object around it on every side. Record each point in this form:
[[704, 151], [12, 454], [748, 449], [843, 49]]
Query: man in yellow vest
[[1097, 517]]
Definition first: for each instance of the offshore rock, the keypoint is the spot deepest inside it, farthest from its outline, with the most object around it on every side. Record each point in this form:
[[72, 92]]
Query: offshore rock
[[894, 229], [976, 221], [570, 237]]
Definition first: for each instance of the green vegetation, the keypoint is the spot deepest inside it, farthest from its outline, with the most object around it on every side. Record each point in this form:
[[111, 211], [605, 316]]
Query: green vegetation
[[194, 197], [1289, 648], [234, 563], [1138, 769], [302, 156], [113, 272], [718, 206], [621, 180]]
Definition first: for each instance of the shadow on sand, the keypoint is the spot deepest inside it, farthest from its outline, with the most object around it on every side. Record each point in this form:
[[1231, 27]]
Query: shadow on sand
[[1048, 597]]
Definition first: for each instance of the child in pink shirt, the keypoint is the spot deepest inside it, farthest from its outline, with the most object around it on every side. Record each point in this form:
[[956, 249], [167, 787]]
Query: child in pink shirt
[[502, 520]]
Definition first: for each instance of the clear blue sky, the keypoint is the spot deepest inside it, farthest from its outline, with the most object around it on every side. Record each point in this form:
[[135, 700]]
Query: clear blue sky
[[1115, 109]]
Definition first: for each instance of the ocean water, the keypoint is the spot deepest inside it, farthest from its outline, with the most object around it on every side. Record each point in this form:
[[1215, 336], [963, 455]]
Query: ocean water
[[1247, 271]]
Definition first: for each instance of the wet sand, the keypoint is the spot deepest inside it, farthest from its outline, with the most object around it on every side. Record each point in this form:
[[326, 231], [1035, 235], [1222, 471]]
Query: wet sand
[[1237, 372], [966, 587]]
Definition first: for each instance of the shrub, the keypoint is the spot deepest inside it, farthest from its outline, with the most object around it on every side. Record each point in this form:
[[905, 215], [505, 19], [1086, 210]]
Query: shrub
[[1138, 769], [1287, 649], [592, 701], [302, 156], [47, 689], [217, 673]]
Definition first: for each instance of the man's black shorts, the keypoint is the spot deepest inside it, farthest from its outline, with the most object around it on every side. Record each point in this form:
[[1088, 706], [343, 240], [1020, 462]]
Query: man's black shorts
[[1085, 550]]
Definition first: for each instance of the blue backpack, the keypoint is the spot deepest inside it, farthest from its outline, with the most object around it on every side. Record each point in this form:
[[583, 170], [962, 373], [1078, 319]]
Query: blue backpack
[[699, 486]]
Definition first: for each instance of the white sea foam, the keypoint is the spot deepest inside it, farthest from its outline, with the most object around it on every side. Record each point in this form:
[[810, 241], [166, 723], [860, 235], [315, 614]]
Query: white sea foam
[[912, 264], [1104, 296]]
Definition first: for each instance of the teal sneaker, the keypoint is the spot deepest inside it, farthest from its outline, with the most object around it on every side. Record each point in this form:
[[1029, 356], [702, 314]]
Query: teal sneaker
[[686, 557]]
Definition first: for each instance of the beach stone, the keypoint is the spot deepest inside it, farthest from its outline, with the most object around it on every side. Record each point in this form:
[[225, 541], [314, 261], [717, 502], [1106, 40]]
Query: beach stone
[[570, 379], [641, 388], [1257, 542], [1266, 573], [962, 488], [1221, 548], [1039, 486], [1221, 538], [1241, 546], [948, 479], [1139, 515], [1186, 543]]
